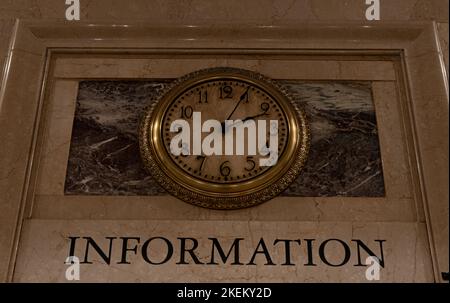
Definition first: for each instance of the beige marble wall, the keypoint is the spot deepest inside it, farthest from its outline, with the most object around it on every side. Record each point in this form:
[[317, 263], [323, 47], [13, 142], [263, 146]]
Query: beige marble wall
[[269, 12], [214, 11]]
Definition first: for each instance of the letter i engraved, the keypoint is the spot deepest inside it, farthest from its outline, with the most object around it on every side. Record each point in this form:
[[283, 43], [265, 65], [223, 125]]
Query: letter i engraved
[[73, 271]]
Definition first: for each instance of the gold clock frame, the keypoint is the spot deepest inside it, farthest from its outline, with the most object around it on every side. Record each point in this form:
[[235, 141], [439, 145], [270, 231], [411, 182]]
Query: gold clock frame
[[223, 196]]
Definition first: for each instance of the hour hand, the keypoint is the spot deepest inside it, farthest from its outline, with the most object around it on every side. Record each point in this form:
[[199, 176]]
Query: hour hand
[[264, 107], [243, 120], [253, 117]]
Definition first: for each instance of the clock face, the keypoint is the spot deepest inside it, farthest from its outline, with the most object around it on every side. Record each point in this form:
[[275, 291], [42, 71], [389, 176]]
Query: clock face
[[224, 138], [225, 99]]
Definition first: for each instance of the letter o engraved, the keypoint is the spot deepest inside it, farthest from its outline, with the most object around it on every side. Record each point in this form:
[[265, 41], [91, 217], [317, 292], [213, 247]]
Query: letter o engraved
[[145, 253], [323, 256]]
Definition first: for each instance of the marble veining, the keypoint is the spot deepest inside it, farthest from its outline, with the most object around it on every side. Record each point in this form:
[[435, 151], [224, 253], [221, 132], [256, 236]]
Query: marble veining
[[344, 159]]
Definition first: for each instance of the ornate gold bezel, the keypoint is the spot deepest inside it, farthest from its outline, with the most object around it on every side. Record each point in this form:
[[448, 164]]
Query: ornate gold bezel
[[223, 196]]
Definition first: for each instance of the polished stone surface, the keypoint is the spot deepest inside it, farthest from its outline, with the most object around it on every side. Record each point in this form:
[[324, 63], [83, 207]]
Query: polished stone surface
[[344, 159]]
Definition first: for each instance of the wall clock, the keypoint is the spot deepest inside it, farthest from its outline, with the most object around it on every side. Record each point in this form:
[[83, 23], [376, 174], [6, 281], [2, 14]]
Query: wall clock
[[224, 138]]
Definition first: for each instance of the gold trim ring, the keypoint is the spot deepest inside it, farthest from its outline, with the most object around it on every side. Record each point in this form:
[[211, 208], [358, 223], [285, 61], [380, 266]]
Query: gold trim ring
[[224, 196]]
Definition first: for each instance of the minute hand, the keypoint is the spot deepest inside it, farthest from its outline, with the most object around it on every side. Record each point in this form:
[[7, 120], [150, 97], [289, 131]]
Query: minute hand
[[243, 96]]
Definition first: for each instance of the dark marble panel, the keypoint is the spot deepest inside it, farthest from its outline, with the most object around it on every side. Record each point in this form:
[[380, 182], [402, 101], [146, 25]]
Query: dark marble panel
[[344, 159]]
